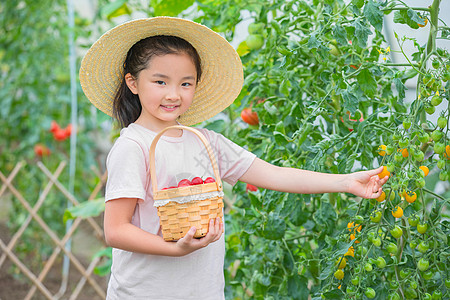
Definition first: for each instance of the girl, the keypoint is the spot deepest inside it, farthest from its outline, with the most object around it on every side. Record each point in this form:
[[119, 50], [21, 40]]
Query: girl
[[150, 74]]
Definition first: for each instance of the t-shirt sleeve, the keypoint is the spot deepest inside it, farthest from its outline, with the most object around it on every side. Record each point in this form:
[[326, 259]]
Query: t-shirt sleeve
[[127, 171], [233, 160]]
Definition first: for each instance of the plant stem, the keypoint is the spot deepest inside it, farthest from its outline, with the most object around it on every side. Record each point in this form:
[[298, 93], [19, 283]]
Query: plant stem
[[434, 15], [406, 8]]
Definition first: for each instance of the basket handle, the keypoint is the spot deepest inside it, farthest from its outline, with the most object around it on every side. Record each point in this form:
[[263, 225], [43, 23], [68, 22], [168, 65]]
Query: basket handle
[[201, 137]]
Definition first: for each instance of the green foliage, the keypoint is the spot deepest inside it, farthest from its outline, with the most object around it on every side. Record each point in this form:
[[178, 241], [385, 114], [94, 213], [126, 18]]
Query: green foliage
[[327, 96]]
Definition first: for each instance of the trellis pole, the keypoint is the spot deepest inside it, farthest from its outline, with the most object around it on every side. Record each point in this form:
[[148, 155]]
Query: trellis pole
[[73, 138]]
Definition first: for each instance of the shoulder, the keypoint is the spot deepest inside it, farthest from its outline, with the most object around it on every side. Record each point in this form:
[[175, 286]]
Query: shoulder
[[130, 143]]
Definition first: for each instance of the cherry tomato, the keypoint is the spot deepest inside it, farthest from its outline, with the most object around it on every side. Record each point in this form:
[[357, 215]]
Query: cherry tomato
[[255, 41], [250, 117], [426, 296], [437, 135], [392, 248], [439, 148], [413, 220], [382, 150], [397, 212], [436, 100], [424, 137], [428, 275], [420, 182], [423, 246], [358, 220], [209, 180], [368, 267], [437, 295], [376, 216], [410, 197], [370, 293], [382, 197], [390, 149], [406, 124], [394, 296], [196, 181], [396, 232], [380, 262], [355, 280], [341, 262], [442, 122], [422, 228], [339, 274], [376, 242], [184, 182], [419, 155], [423, 264], [404, 273]]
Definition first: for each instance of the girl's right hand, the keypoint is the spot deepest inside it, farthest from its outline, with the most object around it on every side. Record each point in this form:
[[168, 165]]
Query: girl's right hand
[[189, 244]]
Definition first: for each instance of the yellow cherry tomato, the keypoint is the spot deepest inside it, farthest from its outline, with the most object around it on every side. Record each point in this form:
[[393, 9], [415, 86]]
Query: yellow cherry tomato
[[397, 212], [384, 173], [382, 150], [382, 197], [425, 170]]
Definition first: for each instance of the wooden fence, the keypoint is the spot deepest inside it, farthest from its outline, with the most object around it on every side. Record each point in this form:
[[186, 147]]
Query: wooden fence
[[7, 248]]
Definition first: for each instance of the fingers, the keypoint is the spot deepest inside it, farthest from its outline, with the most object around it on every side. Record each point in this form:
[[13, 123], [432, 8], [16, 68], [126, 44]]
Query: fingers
[[190, 235], [215, 229], [375, 171]]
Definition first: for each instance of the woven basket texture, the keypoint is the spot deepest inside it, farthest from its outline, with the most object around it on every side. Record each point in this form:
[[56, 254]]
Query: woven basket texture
[[177, 218]]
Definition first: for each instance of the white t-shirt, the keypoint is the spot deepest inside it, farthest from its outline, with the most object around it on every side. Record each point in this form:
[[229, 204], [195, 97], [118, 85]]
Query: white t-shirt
[[198, 275]]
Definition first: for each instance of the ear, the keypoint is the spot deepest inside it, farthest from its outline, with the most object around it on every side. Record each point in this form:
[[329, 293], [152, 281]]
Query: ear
[[131, 82]]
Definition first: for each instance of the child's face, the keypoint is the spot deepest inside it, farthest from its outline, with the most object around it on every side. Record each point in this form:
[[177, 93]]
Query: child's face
[[166, 89]]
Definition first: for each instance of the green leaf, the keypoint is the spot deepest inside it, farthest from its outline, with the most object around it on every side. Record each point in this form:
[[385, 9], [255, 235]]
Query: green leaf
[[358, 3], [114, 9], [366, 82], [91, 208], [374, 15], [297, 287], [340, 35], [325, 215], [217, 126], [275, 227], [170, 8], [400, 88], [334, 294], [313, 42], [404, 17], [362, 33], [351, 102]]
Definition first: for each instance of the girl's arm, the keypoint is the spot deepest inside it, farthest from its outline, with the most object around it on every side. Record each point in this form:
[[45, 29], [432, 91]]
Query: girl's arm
[[262, 174], [121, 233]]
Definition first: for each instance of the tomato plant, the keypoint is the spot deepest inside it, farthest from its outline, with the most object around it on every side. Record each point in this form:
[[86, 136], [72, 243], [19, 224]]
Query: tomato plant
[[311, 118], [313, 71]]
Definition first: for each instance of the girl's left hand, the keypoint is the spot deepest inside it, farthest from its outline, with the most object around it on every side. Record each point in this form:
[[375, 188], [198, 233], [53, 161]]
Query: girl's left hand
[[366, 184]]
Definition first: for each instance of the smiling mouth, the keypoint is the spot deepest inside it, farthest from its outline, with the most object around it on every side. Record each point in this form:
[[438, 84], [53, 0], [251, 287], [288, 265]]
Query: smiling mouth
[[170, 106]]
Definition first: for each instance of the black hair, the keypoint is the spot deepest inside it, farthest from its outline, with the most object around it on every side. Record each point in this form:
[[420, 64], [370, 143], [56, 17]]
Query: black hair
[[126, 105]]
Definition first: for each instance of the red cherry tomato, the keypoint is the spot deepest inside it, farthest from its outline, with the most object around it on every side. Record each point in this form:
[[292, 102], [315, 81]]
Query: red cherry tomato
[[196, 180], [184, 182], [251, 188], [250, 117], [209, 180]]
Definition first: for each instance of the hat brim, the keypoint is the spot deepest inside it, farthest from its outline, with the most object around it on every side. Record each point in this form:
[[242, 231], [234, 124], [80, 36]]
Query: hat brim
[[102, 70]]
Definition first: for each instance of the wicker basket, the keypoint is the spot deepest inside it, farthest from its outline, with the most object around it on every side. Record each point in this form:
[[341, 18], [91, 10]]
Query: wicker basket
[[207, 199]]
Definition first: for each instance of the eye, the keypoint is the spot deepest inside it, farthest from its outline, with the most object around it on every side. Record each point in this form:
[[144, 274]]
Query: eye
[[186, 84], [160, 82]]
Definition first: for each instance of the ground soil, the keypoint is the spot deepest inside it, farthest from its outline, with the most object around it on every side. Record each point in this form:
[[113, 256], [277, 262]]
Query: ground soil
[[14, 285]]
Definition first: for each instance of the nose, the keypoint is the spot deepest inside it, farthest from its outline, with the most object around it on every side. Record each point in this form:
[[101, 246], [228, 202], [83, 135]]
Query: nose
[[173, 93]]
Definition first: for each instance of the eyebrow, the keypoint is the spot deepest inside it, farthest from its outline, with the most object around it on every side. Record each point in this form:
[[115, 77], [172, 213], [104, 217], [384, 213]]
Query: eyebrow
[[166, 77]]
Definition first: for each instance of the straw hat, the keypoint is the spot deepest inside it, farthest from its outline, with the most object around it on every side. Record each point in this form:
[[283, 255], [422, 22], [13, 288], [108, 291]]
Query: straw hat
[[222, 77]]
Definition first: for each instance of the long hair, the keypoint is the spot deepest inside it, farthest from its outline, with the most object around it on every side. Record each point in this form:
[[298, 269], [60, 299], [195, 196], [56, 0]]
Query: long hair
[[127, 107]]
